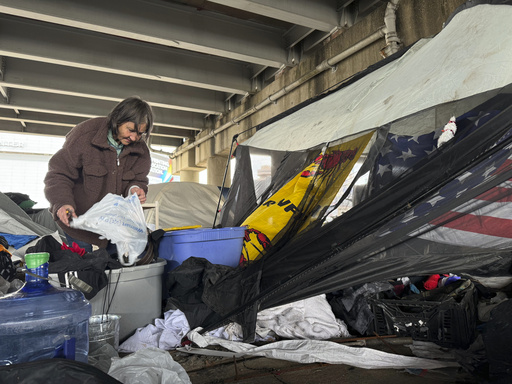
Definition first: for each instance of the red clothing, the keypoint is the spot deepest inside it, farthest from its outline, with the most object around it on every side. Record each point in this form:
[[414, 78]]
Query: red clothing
[[87, 168]]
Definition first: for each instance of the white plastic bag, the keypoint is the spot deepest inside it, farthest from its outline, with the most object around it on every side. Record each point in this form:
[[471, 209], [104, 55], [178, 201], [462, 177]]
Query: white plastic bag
[[121, 220]]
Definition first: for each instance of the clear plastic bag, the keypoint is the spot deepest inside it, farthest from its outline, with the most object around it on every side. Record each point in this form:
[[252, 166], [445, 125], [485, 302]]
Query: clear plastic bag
[[121, 220]]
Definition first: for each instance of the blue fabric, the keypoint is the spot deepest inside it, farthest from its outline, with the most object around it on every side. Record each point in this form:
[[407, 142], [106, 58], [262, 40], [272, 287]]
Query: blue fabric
[[17, 241]]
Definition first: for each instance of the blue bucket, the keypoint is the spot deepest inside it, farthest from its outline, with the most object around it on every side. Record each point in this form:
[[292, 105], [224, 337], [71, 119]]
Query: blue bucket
[[217, 245]]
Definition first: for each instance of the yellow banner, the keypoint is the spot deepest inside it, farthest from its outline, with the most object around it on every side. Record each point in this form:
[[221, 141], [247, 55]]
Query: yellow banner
[[322, 179]]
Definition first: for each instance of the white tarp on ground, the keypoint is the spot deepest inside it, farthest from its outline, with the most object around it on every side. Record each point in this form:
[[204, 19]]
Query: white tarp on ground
[[320, 351], [471, 55], [183, 204]]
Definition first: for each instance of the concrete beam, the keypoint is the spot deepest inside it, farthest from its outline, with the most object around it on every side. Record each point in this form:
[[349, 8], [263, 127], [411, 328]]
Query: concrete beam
[[87, 50], [160, 23], [50, 78], [35, 128], [314, 14], [42, 128], [55, 104]]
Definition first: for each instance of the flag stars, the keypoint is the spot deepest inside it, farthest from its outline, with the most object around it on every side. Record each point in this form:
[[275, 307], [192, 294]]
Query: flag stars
[[406, 155], [415, 139], [489, 171], [408, 216], [457, 195], [463, 177], [435, 200], [429, 152], [385, 150], [479, 118], [383, 169]]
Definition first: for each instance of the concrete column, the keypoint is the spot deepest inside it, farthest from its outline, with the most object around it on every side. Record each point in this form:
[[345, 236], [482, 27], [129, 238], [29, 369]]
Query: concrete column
[[216, 166], [192, 176]]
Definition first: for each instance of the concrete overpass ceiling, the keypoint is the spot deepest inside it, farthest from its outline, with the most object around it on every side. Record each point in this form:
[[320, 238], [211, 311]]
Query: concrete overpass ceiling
[[192, 60]]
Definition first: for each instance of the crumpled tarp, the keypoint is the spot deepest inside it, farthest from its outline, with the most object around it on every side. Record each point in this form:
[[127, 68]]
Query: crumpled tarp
[[182, 204], [165, 334], [310, 318], [497, 337], [148, 366]]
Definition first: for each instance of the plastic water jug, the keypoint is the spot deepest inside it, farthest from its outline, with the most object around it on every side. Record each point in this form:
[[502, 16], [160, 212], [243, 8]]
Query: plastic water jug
[[41, 321]]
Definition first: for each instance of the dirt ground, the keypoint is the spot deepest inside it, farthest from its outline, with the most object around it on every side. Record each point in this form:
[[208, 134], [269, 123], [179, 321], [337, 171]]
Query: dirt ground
[[259, 370]]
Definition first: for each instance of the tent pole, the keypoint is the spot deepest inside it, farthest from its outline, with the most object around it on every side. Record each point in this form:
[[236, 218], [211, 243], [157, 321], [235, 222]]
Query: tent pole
[[235, 137]]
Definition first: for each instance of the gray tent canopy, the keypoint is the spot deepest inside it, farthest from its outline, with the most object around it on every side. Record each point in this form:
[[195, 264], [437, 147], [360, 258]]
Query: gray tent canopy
[[183, 204], [18, 227]]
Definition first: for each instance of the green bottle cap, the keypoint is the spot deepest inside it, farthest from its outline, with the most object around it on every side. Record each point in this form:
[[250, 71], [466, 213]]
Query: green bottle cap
[[34, 260]]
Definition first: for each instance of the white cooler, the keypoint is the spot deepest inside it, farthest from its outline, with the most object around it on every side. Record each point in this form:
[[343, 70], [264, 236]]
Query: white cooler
[[133, 293]]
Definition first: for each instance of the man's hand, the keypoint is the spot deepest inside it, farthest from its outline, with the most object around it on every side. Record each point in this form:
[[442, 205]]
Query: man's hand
[[65, 213], [140, 194]]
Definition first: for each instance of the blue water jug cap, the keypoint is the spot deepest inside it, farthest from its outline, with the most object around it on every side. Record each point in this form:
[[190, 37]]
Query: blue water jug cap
[[34, 260]]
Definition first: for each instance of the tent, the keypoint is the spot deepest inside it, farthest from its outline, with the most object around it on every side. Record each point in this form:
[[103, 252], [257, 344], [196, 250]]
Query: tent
[[439, 209], [183, 204], [18, 228]]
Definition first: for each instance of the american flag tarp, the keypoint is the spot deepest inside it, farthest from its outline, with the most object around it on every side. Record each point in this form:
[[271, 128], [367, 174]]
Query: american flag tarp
[[402, 152], [398, 154], [484, 220]]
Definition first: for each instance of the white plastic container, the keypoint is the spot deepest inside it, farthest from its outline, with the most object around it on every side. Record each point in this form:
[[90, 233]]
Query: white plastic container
[[134, 293]]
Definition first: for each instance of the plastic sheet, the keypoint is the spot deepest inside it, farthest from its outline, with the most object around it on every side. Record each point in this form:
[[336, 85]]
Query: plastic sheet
[[148, 366], [121, 220], [421, 210], [315, 351]]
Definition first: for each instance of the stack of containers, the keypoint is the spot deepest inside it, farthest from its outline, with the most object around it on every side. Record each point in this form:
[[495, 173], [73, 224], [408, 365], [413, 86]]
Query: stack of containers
[[41, 321]]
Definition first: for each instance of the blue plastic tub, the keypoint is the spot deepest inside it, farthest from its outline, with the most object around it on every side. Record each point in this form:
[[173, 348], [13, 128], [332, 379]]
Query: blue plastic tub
[[217, 245]]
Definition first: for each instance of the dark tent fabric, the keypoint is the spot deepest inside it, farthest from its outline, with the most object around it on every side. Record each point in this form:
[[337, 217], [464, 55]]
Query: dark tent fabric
[[497, 338], [396, 231], [249, 194]]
